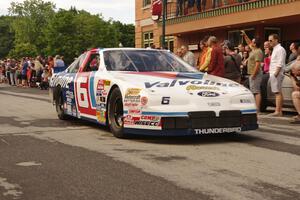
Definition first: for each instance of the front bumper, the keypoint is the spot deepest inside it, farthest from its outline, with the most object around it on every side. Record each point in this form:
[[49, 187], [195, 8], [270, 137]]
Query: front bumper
[[202, 123]]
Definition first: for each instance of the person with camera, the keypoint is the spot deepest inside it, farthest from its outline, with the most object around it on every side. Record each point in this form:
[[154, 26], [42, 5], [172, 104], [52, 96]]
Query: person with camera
[[295, 75]]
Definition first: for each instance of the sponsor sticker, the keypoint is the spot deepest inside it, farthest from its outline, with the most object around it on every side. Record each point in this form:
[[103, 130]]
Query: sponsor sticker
[[208, 94], [128, 104], [133, 92], [214, 104], [205, 131], [245, 101], [101, 116], [100, 85], [197, 87], [152, 118], [176, 83], [101, 106], [130, 120], [134, 112], [144, 101], [74, 112], [147, 123], [102, 99], [144, 121], [107, 83], [132, 99]]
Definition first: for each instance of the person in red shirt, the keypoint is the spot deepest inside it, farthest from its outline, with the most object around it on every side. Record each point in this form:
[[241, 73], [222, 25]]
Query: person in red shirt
[[216, 65]]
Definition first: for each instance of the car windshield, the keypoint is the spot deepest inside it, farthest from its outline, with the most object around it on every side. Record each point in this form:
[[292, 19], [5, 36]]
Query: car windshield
[[144, 61]]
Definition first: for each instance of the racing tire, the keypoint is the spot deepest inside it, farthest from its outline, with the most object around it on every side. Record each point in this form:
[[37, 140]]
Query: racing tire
[[115, 114], [59, 105]]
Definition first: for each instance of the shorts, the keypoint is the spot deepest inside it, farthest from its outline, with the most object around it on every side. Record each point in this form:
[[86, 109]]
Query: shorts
[[254, 85], [276, 82], [24, 77]]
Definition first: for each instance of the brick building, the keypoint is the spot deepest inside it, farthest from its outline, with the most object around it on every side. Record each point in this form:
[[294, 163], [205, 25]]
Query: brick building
[[257, 17]]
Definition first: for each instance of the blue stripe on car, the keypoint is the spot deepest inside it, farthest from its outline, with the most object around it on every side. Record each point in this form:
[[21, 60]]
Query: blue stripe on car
[[92, 93], [248, 111]]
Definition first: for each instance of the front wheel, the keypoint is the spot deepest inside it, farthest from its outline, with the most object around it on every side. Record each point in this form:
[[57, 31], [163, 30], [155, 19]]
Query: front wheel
[[115, 114]]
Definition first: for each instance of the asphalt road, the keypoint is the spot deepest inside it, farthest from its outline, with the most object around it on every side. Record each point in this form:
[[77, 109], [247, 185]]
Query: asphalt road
[[44, 158]]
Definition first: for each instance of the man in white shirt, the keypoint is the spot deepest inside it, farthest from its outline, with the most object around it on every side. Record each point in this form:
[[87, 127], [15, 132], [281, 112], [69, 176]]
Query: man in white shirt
[[276, 72], [188, 56]]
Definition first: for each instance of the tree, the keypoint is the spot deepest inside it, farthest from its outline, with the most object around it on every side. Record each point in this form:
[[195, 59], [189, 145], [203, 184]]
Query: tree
[[31, 18], [71, 32], [23, 50], [38, 29], [126, 33], [6, 36]]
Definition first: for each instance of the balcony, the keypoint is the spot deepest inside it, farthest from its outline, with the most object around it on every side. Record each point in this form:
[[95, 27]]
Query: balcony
[[192, 14]]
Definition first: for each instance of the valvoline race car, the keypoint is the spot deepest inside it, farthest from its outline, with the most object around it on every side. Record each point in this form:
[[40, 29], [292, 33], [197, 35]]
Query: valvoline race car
[[153, 92]]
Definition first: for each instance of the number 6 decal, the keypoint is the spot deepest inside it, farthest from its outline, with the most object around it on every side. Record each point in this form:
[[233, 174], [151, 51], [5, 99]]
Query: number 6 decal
[[165, 101], [82, 92]]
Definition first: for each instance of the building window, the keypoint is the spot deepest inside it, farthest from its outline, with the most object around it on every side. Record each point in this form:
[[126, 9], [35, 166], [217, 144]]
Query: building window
[[146, 3], [170, 43], [147, 39]]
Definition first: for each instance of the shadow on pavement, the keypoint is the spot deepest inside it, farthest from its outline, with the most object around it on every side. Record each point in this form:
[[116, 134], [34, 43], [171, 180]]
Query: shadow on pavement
[[198, 139], [12, 121]]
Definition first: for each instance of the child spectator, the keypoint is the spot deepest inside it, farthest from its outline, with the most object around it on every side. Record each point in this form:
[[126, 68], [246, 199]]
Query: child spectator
[[19, 74], [45, 80]]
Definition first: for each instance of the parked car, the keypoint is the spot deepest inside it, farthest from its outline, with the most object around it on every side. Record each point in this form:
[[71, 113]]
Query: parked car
[[150, 92], [268, 98]]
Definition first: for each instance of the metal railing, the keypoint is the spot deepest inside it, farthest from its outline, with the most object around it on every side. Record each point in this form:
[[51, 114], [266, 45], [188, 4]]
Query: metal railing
[[190, 14]]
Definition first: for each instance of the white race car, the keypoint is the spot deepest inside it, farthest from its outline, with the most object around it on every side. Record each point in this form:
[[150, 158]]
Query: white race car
[[150, 92]]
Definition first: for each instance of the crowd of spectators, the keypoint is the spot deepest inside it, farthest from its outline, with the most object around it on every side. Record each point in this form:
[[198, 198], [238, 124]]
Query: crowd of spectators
[[28, 71], [250, 65], [185, 7]]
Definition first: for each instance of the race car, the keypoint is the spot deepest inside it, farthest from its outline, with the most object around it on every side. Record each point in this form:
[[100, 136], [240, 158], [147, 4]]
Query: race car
[[150, 92]]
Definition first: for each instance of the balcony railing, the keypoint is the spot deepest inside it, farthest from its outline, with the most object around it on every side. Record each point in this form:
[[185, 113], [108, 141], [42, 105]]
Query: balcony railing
[[190, 14]]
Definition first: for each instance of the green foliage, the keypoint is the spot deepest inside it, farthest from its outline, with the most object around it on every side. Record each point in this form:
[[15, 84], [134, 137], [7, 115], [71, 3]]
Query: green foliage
[[6, 36], [32, 17], [126, 33], [23, 50], [38, 29]]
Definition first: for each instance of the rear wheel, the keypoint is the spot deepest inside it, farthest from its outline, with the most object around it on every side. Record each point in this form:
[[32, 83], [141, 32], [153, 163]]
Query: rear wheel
[[59, 105], [115, 114]]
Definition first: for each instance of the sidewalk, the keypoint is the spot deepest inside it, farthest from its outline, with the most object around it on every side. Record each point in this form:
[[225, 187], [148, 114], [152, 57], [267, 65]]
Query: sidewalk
[[8, 88], [285, 120]]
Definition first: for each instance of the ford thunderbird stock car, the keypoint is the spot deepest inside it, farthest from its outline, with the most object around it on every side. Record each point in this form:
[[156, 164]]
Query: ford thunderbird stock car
[[150, 92]]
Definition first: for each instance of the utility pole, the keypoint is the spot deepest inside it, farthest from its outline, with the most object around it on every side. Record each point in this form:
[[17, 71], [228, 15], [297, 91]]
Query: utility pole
[[164, 23]]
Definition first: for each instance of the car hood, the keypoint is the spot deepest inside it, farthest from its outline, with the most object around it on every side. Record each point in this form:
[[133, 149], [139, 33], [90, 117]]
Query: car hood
[[171, 83]]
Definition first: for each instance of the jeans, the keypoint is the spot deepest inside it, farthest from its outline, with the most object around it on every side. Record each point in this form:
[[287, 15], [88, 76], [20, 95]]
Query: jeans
[[13, 78], [8, 77]]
